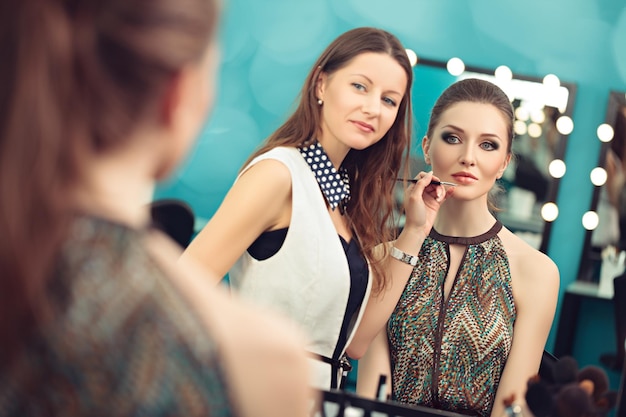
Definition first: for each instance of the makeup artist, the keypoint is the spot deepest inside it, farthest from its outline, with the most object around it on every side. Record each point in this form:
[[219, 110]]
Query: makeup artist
[[471, 324], [299, 227]]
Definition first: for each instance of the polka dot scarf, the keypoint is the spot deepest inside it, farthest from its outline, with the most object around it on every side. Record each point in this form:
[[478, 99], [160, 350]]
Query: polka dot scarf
[[334, 185]]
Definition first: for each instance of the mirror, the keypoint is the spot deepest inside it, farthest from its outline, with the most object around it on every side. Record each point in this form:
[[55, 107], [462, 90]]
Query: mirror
[[543, 123], [603, 221]]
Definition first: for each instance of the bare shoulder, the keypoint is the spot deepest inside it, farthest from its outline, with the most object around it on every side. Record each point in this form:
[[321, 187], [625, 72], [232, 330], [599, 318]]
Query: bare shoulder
[[530, 268], [270, 172]]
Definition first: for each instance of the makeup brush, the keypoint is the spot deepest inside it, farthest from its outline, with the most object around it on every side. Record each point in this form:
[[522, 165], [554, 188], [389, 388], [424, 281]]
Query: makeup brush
[[433, 182]]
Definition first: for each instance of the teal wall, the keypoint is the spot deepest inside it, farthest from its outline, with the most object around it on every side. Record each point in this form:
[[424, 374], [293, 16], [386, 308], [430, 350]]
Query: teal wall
[[268, 46]]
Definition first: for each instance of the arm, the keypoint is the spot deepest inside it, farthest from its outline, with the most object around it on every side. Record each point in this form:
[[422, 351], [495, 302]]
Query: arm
[[535, 298], [374, 363], [422, 203], [259, 201]]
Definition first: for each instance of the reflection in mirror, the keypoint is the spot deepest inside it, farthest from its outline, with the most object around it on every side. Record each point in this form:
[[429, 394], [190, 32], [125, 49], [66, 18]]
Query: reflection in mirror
[[542, 108], [606, 218]]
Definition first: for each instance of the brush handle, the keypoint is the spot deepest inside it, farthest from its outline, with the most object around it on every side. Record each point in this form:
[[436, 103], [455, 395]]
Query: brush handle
[[433, 182]]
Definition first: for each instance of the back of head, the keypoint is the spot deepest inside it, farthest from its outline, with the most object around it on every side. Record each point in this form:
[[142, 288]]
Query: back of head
[[473, 90], [77, 77]]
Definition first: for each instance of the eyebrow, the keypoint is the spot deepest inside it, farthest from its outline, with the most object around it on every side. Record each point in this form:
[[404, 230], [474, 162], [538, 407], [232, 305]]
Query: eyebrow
[[458, 129], [372, 82]]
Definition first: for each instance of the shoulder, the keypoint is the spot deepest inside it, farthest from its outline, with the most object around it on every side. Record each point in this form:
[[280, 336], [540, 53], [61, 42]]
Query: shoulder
[[273, 167], [263, 354], [532, 271]]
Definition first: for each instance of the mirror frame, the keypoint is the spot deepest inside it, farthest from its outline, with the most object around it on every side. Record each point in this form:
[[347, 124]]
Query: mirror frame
[[552, 193], [617, 100]]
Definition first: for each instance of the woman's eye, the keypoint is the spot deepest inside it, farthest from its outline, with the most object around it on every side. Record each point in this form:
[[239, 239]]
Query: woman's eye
[[390, 101], [358, 86], [451, 138], [489, 146]]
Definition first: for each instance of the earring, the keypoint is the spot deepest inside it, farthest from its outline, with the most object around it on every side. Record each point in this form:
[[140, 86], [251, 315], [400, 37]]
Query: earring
[[320, 101]]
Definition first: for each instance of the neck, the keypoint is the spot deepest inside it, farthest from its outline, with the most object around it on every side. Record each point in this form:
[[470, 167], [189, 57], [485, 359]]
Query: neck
[[118, 188], [335, 150], [463, 218]]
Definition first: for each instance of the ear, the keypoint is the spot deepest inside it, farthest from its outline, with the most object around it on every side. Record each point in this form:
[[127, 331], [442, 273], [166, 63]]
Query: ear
[[505, 164], [425, 149], [320, 85], [171, 99]]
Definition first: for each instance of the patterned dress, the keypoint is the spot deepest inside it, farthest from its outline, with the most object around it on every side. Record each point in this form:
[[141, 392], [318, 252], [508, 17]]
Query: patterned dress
[[449, 353], [123, 342]]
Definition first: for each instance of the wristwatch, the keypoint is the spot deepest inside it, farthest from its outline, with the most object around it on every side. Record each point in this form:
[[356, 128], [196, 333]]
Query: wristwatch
[[403, 256]]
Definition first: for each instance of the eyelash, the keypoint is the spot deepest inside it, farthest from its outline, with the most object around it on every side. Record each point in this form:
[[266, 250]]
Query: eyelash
[[387, 100], [492, 146]]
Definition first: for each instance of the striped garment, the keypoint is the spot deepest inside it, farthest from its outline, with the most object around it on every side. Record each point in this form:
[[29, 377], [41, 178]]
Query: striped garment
[[449, 354]]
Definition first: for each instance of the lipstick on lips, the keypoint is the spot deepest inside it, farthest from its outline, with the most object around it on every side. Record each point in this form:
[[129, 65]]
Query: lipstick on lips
[[464, 177]]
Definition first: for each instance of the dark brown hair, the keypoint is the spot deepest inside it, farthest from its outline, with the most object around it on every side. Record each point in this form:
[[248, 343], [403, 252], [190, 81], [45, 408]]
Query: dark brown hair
[[475, 90], [77, 76], [372, 170]]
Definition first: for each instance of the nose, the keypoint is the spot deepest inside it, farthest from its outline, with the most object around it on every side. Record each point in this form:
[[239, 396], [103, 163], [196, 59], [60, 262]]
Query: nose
[[371, 105], [467, 157]]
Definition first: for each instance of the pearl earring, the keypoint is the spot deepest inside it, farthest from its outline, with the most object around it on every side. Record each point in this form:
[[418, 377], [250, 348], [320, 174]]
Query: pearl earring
[[320, 101]]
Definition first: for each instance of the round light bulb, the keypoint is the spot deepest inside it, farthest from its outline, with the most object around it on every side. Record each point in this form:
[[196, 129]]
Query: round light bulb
[[565, 125], [455, 66], [551, 81], [598, 176], [605, 132], [503, 73], [538, 116], [557, 168], [549, 212], [519, 127], [412, 56], [522, 113], [590, 220], [534, 130]]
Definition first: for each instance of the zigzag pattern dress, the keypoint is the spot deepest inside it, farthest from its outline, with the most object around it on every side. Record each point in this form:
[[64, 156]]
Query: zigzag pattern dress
[[449, 353]]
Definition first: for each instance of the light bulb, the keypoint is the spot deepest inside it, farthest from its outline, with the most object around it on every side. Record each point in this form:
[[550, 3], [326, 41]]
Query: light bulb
[[549, 212], [605, 132], [557, 168], [565, 125], [590, 220], [412, 56], [455, 66]]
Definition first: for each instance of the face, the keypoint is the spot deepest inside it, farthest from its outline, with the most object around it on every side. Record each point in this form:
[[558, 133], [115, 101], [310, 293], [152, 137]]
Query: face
[[360, 101], [469, 147]]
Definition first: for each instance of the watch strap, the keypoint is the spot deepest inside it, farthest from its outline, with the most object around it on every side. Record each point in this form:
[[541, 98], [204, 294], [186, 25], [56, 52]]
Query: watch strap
[[403, 256]]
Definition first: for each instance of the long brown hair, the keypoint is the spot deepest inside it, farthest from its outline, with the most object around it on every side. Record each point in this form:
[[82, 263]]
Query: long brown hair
[[77, 76], [372, 170], [475, 90]]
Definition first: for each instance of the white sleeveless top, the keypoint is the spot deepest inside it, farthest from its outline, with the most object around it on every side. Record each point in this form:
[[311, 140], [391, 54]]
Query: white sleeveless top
[[308, 279]]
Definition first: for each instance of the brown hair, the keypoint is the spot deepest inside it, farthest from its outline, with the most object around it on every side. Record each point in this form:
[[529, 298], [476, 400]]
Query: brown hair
[[372, 170], [475, 90], [77, 76]]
